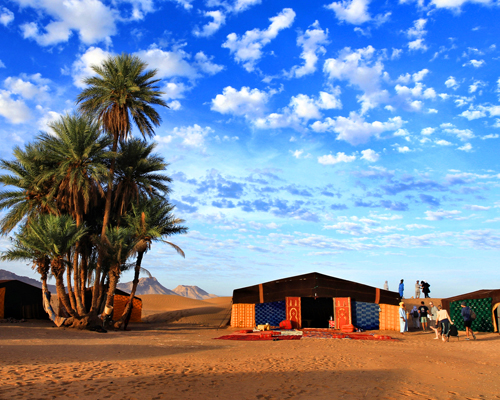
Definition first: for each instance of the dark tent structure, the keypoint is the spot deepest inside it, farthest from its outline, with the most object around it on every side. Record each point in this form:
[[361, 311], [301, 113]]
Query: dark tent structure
[[313, 285], [486, 305], [311, 300], [20, 300]]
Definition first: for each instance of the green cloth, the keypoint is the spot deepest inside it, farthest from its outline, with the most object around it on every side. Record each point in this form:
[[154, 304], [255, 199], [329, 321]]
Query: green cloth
[[482, 308]]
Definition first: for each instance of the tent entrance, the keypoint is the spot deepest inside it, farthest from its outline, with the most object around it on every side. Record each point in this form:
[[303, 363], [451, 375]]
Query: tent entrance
[[316, 312]]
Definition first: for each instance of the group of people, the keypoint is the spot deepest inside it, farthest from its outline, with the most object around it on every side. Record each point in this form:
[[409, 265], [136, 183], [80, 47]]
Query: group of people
[[442, 321], [420, 287]]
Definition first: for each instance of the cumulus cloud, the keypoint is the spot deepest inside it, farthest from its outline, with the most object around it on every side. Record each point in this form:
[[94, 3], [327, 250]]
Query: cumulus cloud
[[417, 33], [14, 110], [403, 149], [81, 68], [248, 49], [354, 129], [193, 136], [452, 83], [441, 214], [362, 69], [6, 16], [92, 20], [245, 102], [427, 131], [466, 147], [352, 11], [330, 159], [443, 142], [370, 155], [218, 19], [312, 42], [456, 4], [24, 86], [474, 63], [462, 134]]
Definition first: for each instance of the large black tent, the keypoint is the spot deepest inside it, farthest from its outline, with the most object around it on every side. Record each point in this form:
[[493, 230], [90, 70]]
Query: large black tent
[[313, 285], [21, 300]]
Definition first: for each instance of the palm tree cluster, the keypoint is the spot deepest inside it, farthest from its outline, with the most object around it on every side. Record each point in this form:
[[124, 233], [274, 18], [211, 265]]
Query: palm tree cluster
[[85, 197]]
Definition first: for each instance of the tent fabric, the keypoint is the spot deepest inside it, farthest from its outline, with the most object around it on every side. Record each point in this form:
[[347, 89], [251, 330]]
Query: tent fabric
[[243, 315], [389, 317], [343, 314], [365, 315], [270, 313], [312, 285], [22, 300], [2, 302], [293, 311], [482, 308], [119, 304], [478, 294]]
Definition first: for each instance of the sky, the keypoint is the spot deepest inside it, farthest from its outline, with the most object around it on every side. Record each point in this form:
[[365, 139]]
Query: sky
[[354, 138]]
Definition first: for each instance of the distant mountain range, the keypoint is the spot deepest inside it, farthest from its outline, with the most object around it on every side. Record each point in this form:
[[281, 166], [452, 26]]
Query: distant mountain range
[[145, 286], [7, 275], [152, 286]]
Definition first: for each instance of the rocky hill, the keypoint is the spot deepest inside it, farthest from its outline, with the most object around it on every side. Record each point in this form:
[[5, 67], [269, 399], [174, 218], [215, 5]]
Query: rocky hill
[[193, 292], [146, 286], [7, 275]]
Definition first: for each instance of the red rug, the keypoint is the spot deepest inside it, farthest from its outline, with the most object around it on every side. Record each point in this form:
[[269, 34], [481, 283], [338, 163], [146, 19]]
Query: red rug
[[307, 333]]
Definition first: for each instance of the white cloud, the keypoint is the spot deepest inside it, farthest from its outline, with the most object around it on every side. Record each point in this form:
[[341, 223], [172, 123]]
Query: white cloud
[[473, 114], [242, 5], [476, 208], [174, 90], [370, 155], [452, 83], [186, 4], [354, 129], [466, 147], [312, 42], [81, 68], [174, 105], [15, 111], [474, 63], [476, 86], [91, 19], [297, 153], [441, 214], [420, 75], [417, 32], [209, 29], [443, 142], [331, 159], [2, 65], [490, 136], [248, 49], [49, 117], [462, 134], [403, 149], [360, 68], [427, 131], [205, 64], [27, 89], [6, 16], [353, 11], [168, 63], [193, 136], [245, 102], [455, 4]]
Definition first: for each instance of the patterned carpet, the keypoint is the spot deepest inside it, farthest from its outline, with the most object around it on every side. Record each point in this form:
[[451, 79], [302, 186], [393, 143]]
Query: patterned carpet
[[270, 313], [365, 315]]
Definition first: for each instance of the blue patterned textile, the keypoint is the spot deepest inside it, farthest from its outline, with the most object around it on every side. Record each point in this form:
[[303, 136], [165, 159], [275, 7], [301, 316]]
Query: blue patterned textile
[[365, 315], [270, 313]]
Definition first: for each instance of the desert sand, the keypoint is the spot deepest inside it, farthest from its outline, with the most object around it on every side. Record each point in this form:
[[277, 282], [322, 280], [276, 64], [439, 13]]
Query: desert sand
[[175, 356]]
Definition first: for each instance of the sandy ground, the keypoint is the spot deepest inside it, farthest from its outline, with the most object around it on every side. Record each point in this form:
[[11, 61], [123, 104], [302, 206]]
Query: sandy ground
[[180, 360]]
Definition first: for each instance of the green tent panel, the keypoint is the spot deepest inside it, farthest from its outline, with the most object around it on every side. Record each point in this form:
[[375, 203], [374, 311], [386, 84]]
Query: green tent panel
[[482, 308]]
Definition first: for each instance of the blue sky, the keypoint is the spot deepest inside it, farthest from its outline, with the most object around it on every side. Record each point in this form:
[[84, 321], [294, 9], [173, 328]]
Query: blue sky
[[353, 138]]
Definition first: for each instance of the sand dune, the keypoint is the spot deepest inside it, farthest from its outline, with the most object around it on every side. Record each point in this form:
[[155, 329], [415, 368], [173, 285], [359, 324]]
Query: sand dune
[[158, 308]]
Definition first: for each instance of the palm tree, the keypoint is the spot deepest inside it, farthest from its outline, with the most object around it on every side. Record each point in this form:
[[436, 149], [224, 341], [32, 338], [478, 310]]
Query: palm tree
[[122, 94], [51, 237], [30, 197], [137, 174], [79, 153], [150, 221]]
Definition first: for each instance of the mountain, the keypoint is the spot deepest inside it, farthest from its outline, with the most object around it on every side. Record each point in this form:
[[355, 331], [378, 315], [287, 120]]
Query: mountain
[[7, 275], [193, 292], [146, 286]]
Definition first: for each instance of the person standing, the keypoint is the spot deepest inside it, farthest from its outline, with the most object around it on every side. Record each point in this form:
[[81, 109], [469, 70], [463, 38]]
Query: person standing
[[467, 320], [433, 324], [415, 317], [386, 285], [417, 290], [401, 288], [444, 320], [426, 290], [423, 311], [403, 319]]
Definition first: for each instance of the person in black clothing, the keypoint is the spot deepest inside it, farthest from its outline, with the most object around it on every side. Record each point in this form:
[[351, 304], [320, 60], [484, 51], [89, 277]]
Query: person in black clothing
[[425, 289], [423, 310]]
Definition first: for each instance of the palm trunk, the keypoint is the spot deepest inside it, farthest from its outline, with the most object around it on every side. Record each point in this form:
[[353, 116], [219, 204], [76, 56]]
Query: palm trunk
[[105, 221], [113, 281], [83, 280], [76, 279], [135, 282], [58, 271], [71, 295]]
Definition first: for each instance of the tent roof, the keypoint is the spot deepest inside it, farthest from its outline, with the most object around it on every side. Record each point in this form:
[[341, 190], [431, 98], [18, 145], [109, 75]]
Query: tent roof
[[478, 294], [312, 284]]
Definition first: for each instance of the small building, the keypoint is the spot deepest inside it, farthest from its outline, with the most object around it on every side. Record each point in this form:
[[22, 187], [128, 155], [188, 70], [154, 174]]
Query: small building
[[486, 305], [21, 300], [312, 300]]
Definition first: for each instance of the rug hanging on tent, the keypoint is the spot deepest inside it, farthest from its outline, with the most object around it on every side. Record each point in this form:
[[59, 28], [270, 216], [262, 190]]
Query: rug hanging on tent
[[270, 313], [365, 315]]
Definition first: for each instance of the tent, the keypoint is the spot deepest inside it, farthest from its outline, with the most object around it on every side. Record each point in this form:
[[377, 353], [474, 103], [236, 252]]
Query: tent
[[485, 304], [119, 303], [311, 300], [21, 300]]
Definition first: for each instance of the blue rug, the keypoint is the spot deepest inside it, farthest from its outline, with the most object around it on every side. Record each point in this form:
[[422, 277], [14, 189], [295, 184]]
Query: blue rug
[[270, 313], [365, 315]]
